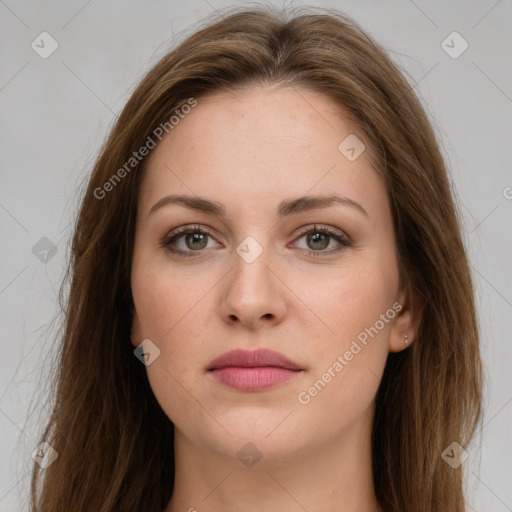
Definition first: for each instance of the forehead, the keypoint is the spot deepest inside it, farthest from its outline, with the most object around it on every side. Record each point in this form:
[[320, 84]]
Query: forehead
[[262, 142]]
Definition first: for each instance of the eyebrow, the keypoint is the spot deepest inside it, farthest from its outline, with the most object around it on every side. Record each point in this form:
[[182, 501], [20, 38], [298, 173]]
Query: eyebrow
[[285, 208]]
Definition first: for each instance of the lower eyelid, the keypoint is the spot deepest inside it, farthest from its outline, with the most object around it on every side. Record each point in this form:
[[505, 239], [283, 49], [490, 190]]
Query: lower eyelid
[[340, 246]]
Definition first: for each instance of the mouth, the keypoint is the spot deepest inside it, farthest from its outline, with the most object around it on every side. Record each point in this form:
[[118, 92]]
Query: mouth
[[255, 378], [253, 370], [253, 359]]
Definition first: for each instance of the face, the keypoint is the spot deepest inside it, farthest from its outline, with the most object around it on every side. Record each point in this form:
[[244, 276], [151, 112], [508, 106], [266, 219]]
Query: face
[[315, 282]]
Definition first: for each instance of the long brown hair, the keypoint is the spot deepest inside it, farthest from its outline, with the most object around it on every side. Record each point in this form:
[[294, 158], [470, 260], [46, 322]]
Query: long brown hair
[[114, 442]]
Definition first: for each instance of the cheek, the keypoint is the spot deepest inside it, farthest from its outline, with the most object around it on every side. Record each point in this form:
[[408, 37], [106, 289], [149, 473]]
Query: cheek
[[171, 311], [165, 297], [349, 362], [350, 301], [166, 311], [357, 309]]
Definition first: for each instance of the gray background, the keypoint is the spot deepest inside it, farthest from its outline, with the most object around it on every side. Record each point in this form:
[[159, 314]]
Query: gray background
[[56, 112]]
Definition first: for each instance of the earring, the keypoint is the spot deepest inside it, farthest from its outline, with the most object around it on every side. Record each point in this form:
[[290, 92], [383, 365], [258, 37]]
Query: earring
[[405, 338]]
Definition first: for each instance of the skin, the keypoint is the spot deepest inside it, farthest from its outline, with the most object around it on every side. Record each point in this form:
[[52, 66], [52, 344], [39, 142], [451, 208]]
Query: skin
[[250, 150]]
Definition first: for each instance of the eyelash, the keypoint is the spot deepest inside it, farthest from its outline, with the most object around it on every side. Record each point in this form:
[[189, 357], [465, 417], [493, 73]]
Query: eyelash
[[172, 237]]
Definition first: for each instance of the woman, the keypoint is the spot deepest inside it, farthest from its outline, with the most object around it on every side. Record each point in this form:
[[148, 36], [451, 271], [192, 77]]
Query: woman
[[268, 289]]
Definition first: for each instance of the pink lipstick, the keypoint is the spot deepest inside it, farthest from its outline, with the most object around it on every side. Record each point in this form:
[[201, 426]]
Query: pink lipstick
[[253, 370]]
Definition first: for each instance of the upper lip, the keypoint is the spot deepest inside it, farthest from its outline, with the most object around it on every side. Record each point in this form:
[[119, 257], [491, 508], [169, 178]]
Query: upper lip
[[252, 359]]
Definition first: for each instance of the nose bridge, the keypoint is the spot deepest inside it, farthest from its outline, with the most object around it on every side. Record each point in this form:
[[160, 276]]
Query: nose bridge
[[251, 274], [251, 291]]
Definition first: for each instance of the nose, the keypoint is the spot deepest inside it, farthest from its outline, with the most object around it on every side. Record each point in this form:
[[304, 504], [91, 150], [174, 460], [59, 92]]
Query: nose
[[252, 295]]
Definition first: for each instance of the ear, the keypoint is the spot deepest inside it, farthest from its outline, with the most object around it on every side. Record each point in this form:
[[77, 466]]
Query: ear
[[136, 332], [408, 319]]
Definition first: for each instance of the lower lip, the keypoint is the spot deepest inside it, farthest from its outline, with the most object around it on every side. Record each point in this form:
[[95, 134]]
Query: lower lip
[[253, 379]]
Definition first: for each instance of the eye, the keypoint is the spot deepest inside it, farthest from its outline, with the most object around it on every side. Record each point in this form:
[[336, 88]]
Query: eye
[[318, 239], [195, 239], [187, 240]]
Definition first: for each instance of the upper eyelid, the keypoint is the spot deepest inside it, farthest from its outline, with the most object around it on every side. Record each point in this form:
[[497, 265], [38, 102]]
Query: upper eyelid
[[304, 229], [321, 227]]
